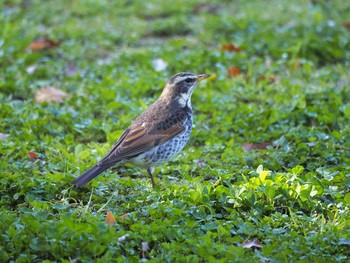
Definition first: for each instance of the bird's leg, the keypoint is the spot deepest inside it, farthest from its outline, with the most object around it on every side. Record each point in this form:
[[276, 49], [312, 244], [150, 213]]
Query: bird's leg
[[150, 171]]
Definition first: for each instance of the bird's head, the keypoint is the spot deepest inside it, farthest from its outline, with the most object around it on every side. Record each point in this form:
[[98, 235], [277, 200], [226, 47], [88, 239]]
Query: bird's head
[[181, 86]]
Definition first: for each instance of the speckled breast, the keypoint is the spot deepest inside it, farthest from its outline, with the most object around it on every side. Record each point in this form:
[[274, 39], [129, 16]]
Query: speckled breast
[[165, 151]]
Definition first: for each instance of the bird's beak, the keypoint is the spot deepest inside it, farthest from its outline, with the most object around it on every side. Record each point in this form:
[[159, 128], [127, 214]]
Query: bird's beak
[[202, 76]]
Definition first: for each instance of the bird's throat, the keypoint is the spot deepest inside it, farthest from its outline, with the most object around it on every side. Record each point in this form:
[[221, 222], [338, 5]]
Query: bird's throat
[[185, 101]]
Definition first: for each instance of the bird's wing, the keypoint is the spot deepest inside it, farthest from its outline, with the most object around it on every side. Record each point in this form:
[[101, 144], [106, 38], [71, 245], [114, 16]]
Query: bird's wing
[[138, 139]]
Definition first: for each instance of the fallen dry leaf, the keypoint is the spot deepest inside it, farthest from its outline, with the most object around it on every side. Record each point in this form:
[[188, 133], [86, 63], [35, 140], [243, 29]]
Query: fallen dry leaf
[[124, 216], [230, 47], [110, 219], [32, 156], [4, 136], [347, 25], [256, 146], [251, 243], [42, 43], [271, 78], [233, 71], [50, 94]]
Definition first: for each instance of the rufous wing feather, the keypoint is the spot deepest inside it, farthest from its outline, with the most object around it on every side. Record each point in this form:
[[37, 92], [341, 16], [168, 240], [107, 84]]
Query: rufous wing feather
[[138, 140]]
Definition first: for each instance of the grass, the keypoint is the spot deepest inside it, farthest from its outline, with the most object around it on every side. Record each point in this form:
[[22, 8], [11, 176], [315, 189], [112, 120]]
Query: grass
[[290, 100]]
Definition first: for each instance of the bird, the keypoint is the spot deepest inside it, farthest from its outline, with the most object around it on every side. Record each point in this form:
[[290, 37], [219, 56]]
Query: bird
[[157, 134]]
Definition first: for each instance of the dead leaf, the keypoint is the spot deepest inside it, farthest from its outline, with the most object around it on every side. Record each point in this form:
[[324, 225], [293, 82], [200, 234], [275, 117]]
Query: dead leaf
[[4, 136], [271, 78], [42, 44], [347, 25], [251, 243], [256, 146], [50, 94], [32, 156], [124, 216], [233, 71], [110, 219], [230, 47]]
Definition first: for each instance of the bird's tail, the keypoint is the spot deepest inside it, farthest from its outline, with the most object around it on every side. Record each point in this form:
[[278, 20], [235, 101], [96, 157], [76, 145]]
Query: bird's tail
[[89, 175]]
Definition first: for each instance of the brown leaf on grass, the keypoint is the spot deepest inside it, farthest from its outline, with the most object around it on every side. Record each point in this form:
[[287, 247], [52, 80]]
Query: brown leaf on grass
[[32, 156], [124, 216], [110, 219], [233, 71], [42, 44], [347, 25], [230, 47], [4, 136], [256, 146], [50, 94], [251, 243], [271, 78]]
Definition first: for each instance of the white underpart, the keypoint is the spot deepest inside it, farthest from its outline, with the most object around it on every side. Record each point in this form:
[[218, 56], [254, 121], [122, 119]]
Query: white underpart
[[185, 100], [144, 124]]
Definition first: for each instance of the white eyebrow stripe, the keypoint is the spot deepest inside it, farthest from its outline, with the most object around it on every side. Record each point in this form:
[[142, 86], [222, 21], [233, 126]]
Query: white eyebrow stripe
[[181, 78]]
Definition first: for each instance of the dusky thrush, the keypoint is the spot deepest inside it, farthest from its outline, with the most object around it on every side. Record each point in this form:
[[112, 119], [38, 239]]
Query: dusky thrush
[[156, 135]]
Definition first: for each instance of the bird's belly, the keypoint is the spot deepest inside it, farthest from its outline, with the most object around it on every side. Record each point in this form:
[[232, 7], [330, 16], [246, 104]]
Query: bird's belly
[[163, 152]]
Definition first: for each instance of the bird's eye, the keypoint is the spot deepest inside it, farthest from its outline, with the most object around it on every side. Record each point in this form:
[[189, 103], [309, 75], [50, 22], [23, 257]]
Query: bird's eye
[[188, 80]]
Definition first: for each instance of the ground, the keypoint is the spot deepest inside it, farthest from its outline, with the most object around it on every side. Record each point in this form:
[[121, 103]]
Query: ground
[[265, 176]]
